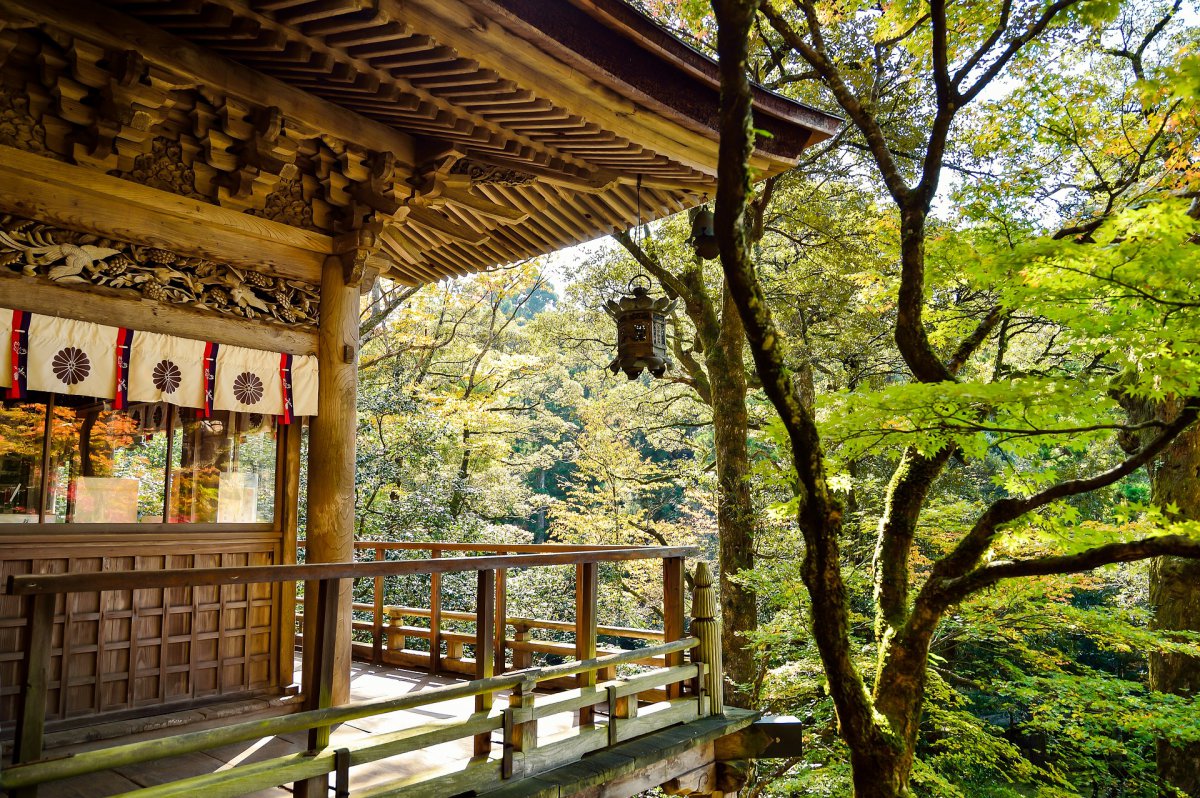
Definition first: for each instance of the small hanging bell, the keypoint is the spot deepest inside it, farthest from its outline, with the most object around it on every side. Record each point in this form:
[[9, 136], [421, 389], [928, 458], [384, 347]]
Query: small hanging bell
[[704, 236]]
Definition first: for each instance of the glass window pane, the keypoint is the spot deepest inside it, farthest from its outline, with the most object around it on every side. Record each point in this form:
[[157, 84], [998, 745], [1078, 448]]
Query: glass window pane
[[107, 466], [223, 468], [22, 432]]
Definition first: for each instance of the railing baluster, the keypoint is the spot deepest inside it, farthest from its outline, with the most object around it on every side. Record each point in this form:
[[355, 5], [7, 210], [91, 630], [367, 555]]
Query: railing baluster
[[585, 629], [522, 657], [318, 659], [377, 616], [501, 617], [485, 618], [673, 613], [435, 617], [31, 711], [520, 729]]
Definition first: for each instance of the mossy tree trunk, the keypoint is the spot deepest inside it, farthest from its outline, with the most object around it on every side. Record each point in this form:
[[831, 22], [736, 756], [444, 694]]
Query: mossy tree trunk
[[1175, 598], [716, 370]]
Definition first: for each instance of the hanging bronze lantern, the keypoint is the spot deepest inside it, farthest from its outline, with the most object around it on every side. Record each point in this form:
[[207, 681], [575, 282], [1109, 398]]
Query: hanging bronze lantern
[[704, 235], [641, 330]]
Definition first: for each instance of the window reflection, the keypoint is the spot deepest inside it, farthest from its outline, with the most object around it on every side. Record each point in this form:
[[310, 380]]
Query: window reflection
[[107, 466], [146, 464], [223, 468], [22, 433]]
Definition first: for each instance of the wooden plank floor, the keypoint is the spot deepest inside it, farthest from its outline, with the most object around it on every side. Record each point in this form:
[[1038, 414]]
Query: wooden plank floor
[[367, 681]]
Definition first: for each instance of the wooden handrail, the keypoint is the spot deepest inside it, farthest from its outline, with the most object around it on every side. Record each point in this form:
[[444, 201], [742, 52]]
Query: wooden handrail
[[40, 584], [489, 641], [516, 548], [512, 620], [85, 762]]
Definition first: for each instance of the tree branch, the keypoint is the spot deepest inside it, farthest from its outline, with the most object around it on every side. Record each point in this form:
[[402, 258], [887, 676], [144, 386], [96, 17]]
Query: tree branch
[[972, 547], [975, 340], [1013, 48], [1128, 551], [817, 57]]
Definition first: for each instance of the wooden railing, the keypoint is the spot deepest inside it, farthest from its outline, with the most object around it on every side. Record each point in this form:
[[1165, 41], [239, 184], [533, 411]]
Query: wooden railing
[[691, 690], [389, 628]]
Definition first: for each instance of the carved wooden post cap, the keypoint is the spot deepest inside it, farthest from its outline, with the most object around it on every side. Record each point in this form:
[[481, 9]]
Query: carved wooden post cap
[[704, 595], [707, 628]]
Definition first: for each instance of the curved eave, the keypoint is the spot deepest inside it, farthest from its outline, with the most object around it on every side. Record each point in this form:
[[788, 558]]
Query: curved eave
[[638, 58]]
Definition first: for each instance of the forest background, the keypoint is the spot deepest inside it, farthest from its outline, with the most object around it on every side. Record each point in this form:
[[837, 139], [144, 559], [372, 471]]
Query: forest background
[[487, 413]]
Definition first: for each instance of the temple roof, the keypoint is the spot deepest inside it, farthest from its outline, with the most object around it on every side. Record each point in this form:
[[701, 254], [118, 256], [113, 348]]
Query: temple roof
[[522, 126]]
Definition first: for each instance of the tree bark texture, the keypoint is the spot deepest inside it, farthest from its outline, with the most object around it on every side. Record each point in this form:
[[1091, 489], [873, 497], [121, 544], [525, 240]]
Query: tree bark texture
[[721, 383], [735, 509], [1175, 598], [880, 759]]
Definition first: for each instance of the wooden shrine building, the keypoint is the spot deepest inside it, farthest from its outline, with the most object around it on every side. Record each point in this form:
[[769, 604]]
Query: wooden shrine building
[[194, 194]]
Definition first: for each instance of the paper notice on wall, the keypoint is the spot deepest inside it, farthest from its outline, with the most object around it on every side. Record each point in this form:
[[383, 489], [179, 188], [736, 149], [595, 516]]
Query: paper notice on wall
[[237, 498], [105, 500]]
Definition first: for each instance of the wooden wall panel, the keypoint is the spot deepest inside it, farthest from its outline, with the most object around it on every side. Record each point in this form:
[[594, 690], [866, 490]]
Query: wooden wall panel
[[125, 650]]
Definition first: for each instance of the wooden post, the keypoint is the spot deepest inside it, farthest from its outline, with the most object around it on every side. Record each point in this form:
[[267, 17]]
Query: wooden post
[[377, 613], [31, 706], [288, 514], [520, 730], [435, 617], [585, 630], [522, 657], [331, 448], [619, 709], [707, 628], [501, 617], [322, 599], [485, 618], [673, 614]]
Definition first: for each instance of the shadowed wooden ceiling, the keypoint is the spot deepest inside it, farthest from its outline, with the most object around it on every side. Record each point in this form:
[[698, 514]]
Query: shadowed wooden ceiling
[[532, 122]]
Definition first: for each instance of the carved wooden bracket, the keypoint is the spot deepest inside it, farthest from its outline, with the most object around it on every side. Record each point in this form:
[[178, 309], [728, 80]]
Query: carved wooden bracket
[[358, 252], [107, 106], [106, 109]]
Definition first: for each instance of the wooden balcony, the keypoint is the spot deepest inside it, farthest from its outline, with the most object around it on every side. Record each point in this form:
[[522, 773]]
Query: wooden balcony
[[597, 716]]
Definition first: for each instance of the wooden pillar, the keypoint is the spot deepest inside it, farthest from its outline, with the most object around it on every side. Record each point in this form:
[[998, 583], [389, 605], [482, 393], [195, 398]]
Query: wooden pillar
[[586, 583], [707, 628], [288, 507], [377, 612], [331, 448], [322, 604]]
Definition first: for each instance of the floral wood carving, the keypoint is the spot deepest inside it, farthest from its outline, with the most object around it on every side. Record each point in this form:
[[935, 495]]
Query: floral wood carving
[[486, 173], [62, 256]]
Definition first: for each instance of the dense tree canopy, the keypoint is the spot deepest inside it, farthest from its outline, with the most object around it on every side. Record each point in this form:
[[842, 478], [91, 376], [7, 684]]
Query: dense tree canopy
[[963, 340]]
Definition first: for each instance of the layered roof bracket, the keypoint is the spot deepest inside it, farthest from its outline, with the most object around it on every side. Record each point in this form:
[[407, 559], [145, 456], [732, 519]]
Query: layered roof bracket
[[467, 133]]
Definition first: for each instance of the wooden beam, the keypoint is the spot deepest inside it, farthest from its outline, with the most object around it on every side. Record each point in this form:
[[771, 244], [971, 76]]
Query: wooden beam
[[89, 201], [26, 584], [38, 295], [109, 28]]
